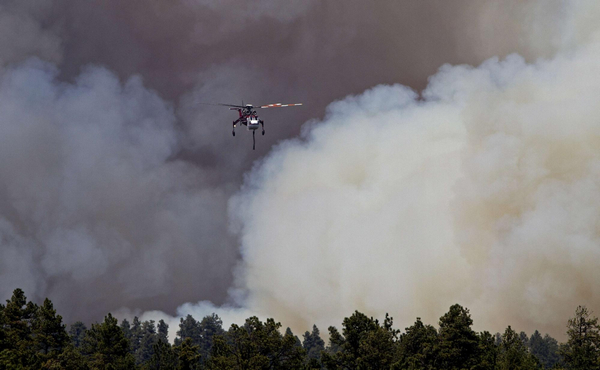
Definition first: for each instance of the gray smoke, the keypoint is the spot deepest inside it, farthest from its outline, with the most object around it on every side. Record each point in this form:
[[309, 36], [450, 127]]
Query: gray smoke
[[115, 182], [484, 190]]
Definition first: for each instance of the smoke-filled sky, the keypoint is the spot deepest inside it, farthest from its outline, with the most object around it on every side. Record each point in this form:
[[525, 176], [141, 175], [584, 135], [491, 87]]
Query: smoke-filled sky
[[119, 190]]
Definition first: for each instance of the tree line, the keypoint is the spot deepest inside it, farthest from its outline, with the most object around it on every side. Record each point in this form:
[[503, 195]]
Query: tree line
[[34, 337]]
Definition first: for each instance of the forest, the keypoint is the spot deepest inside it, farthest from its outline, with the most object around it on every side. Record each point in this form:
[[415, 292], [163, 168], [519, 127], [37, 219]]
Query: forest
[[34, 336]]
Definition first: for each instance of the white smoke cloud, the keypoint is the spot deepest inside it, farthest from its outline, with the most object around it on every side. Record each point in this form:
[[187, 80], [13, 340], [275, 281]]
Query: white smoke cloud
[[484, 193]]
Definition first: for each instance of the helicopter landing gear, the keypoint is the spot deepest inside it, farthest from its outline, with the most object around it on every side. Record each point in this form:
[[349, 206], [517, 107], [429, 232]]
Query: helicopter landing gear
[[262, 123]]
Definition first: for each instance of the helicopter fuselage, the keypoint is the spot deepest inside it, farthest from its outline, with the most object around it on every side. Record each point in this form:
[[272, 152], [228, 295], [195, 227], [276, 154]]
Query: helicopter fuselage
[[248, 118]]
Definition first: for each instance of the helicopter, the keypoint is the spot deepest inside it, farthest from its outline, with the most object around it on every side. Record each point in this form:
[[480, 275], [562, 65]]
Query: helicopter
[[249, 118]]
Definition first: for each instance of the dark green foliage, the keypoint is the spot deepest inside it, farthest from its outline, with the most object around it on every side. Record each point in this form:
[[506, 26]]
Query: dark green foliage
[[498, 339], [256, 345], [106, 346], [582, 350], [524, 338], [49, 334], [488, 352], [16, 347], [126, 328], [364, 344], [77, 333], [458, 343], [135, 336], [201, 333], [34, 337], [188, 355], [288, 331], [545, 348], [418, 347], [71, 359], [333, 346], [514, 354], [210, 326], [313, 344], [188, 328], [163, 357], [162, 330], [147, 342]]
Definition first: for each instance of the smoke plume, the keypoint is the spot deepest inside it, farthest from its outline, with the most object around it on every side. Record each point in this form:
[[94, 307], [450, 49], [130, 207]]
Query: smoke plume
[[116, 185], [483, 190]]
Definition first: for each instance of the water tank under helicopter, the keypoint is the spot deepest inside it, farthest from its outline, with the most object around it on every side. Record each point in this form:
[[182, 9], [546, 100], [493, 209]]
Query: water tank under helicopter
[[252, 122]]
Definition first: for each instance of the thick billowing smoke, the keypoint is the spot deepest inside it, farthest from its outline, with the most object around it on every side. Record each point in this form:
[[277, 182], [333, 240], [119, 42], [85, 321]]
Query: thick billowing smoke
[[115, 182], [91, 200], [485, 191]]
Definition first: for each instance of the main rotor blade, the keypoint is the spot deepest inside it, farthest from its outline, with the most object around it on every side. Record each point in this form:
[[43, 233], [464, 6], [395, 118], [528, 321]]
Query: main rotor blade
[[224, 105], [279, 105]]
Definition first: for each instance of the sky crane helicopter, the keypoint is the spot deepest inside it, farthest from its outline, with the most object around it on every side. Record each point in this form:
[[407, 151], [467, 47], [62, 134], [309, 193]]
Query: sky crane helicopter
[[249, 118]]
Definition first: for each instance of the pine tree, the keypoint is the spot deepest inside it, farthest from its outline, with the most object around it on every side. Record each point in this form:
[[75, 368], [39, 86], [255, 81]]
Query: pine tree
[[524, 338], [313, 344], [289, 332], [458, 343], [582, 350], [364, 344], [147, 342], [163, 357], [50, 335], [417, 348], [204, 332], [488, 352], [71, 359], [545, 349], [514, 354], [256, 345], [17, 349], [136, 335], [106, 346], [77, 333], [188, 328], [163, 331], [126, 328], [188, 354]]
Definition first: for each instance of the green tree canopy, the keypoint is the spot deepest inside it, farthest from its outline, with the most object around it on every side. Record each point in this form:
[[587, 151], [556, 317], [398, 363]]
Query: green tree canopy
[[488, 352], [49, 333], [582, 350], [418, 347], [256, 345], [162, 330], [545, 348], [514, 354], [365, 344], [147, 342], [106, 346], [458, 343], [17, 348], [77, 333], [188, 355], [313, 344]]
